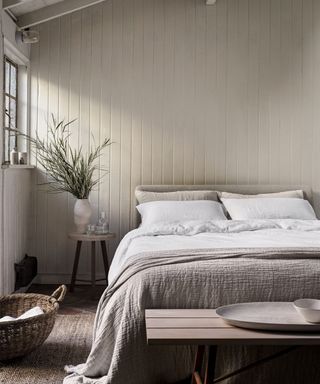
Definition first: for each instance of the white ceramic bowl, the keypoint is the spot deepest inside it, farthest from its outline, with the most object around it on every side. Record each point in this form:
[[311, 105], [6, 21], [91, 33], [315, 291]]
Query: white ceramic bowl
[[309, 309]]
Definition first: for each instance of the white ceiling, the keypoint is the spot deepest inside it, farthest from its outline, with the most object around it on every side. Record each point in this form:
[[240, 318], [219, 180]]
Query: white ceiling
[[31, 5], [28, 13]]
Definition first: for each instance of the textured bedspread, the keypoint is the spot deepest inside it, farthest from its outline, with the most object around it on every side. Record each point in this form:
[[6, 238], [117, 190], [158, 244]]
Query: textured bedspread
[[196, 278]]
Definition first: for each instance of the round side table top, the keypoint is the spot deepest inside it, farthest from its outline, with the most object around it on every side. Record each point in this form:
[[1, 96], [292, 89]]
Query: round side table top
[[93, 237]]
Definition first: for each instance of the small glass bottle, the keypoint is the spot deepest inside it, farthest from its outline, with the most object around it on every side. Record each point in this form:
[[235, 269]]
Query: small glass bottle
[[102, 227], [14, 156], [91, 229]]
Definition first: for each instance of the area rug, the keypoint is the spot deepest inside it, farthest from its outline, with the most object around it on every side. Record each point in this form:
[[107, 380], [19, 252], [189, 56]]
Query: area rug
[[69, 343]]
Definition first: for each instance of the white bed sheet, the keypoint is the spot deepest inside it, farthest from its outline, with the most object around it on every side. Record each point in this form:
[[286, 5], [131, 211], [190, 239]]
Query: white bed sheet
[[215, 235]]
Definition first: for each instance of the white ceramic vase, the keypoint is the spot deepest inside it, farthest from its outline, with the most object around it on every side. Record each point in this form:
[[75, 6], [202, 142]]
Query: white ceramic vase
[[82, 215]]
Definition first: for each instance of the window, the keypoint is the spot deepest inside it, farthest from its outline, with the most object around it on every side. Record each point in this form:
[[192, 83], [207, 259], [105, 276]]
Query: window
[[10, 106]]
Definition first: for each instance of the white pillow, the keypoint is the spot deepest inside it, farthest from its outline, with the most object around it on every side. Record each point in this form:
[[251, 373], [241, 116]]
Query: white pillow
[[269, 208], [168, 211], [291, 194], [147, 196]]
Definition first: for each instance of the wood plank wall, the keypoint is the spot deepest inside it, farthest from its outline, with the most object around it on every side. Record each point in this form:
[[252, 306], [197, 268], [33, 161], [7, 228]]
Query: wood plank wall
[[2, 256], [188, 94], [17, 211]]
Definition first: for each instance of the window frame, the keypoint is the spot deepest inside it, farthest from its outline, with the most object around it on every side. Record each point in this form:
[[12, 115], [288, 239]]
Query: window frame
[[6, 114]]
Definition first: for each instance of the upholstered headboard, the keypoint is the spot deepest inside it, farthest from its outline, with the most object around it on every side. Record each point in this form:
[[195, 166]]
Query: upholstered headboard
[[246, 189]]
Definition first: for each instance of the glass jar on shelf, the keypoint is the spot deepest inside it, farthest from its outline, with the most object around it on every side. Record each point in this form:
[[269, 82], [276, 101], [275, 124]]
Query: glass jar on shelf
[[102, 226]]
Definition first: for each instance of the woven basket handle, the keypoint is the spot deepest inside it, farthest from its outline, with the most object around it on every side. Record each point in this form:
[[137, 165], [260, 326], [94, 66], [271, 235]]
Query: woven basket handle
[[59, 293]]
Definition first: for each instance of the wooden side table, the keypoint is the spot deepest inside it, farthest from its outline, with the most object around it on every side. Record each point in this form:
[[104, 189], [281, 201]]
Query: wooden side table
[[79, 237]]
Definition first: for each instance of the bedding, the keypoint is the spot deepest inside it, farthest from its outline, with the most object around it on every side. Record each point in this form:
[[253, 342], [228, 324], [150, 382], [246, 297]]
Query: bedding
[[173, 211], [269, 208], [200, 264], [147, 196]]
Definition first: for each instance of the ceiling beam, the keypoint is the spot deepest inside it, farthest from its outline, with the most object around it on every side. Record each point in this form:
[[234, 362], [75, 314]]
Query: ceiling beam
[[53, 11], [11, 3], [211, 2]]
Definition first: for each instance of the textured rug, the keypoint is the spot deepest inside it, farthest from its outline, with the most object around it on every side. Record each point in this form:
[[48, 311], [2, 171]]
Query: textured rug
[[69, 343]]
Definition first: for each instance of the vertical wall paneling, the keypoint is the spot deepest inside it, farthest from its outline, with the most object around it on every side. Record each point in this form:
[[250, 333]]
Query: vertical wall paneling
[[242, 97], [42, 112], [2, 256], [211, 99], [297, 121], [126, 114], [221, 58], [95, 124], [187, 93], [199, 112], [181, 60], [307, 88], [316, 96], [54, 201], [274, 97], [105, 110], [264, 92], [16, 211], [253, 104], [168, 95], [136, 129], [116, 84], [286, 112], [147, 91], [73, 85], [64, 73], [233, 91]]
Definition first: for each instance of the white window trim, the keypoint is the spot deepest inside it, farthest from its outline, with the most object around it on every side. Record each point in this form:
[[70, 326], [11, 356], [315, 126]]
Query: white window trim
[[23, 118]]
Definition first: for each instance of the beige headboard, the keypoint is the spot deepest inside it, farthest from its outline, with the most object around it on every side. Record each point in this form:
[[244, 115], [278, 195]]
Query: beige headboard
[[246, 189]]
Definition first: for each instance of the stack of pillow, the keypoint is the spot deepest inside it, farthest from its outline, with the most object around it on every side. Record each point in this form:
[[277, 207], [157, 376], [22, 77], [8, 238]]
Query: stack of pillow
[[179, 206]]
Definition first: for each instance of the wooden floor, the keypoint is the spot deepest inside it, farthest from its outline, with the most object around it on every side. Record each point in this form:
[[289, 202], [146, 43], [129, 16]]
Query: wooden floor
[[83, 299]]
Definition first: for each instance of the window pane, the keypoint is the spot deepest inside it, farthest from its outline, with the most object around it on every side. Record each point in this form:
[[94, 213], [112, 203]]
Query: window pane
[[7, 112], [7, 76], [13, 113], [6, 146], [13, 81], [10, 107], [12, 142]]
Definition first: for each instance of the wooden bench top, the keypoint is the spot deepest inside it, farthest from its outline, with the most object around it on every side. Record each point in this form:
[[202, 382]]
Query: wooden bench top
[[205, 327]]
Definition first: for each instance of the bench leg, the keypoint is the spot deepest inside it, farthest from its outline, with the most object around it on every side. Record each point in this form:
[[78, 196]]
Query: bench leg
[[209, 368], [196, 379], [210, 365], [75, 266]]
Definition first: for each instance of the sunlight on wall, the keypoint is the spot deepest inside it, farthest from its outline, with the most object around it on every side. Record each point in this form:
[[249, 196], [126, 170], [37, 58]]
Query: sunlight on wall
[[188, 93]]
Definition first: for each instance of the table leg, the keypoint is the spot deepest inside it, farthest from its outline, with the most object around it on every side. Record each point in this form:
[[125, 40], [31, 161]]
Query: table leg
[[198, 365], [93, 264], [210, 365], [105, 258], [75, 265]]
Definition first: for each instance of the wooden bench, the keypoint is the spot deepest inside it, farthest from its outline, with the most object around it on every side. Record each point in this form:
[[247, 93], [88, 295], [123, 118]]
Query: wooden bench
[[203, 327]]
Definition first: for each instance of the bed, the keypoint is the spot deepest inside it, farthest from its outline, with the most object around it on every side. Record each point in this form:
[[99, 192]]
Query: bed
[[201, 265]]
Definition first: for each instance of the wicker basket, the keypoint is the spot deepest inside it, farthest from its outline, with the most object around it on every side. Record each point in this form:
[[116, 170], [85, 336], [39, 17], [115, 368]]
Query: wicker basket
[[17, 338]]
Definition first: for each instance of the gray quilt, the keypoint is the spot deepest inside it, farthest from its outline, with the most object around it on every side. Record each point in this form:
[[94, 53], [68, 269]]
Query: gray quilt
[[203, 278]]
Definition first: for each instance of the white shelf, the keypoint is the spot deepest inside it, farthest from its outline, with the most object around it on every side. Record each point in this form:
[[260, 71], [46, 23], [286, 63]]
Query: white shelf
[[18, 166]]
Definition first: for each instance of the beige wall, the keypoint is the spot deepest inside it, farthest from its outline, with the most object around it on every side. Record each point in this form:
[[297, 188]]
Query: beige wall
[[188, 94]]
